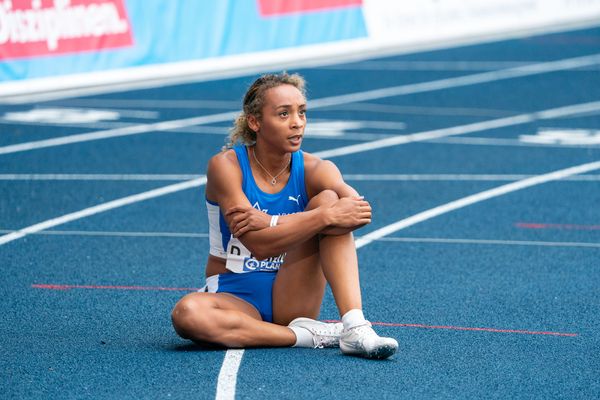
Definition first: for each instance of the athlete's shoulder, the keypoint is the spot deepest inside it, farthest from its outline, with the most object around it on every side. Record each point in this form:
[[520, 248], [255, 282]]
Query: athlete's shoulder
[[315, 164], [224, 159], [223, 166], [320, 174], [223, 174]]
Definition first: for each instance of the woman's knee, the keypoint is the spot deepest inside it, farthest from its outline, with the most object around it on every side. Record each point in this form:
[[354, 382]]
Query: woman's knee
[[325, 197], [191, 316]]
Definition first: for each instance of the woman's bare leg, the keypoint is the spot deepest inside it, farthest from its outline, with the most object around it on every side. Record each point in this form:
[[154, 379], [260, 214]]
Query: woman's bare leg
[[300, 283], [223, 319], [340, 266]]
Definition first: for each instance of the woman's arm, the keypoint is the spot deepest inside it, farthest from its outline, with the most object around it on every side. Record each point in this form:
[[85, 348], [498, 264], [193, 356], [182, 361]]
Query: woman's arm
[[323, 175], [252, 226], [225, 187]]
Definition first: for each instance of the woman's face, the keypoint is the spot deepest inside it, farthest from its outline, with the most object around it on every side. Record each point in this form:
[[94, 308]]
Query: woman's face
[[283, 118]]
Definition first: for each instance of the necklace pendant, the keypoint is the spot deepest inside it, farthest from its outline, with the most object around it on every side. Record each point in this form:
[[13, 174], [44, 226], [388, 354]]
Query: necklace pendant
[[273, 181]]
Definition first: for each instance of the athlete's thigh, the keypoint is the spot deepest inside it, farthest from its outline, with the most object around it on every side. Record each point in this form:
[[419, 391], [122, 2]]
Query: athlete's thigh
[[300, 284], [221, 301]]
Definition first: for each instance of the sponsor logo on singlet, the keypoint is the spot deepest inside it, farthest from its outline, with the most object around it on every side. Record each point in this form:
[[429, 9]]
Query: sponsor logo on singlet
[[270, 264], [239, 259]]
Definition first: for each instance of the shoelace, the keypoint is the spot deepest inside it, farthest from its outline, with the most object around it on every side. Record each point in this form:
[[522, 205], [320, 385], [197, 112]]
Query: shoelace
[[326, 337]]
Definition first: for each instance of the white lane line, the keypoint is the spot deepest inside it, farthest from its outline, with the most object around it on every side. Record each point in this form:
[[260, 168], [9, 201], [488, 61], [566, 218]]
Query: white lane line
[[348, 177], [117, 233], [349, 124], [475, 141], [518, 72], [192, 235], [412, 110], [457, 177], [486, 77], [309, 133], [118, 132], [431, 65], [463, 129], [145, 103], [98, 177], [476, 198], [490, 242], [101, 208], [227, 380], [88, 125]]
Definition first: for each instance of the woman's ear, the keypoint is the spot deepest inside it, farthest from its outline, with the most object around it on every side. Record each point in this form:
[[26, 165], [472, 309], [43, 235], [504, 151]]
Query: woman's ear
[[253, 123]]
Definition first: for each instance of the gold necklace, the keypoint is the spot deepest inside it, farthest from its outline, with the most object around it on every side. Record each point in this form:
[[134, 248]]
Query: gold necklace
[[273, 178]]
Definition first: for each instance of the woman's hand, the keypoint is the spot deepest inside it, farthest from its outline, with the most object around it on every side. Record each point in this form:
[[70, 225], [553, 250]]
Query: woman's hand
[[245, 219], [349, 212]]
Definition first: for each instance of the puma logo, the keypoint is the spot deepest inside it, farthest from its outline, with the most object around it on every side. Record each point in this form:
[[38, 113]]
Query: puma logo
[[296, 199]]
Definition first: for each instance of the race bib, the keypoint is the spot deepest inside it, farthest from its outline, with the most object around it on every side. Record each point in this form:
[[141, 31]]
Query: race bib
[[240, 260]]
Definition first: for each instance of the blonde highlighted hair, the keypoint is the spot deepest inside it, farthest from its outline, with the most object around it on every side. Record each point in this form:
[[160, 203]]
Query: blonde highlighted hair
[[253, 104]]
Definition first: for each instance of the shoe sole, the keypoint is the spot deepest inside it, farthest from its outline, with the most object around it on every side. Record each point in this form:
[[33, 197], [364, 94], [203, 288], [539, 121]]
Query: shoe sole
[[380, 353]]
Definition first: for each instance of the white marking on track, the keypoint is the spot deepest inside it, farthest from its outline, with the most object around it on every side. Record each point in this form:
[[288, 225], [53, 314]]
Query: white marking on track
[[456, 177], [474, 141], [193, 235], [117, 233], [476, 198], [490, 242], [463, 129], [62, 115], [518, 72], [98, 177], [563, 136], [101, 208], [153, 104], [431, 66], [414, 110], [485, 77], [227, 380], [118, 132]]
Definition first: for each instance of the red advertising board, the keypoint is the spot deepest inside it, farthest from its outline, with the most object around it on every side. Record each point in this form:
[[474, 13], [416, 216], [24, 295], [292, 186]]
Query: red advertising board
[[278, 7], [30, 28]]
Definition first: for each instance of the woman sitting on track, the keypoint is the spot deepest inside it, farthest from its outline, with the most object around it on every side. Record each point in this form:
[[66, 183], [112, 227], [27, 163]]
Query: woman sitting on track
[[281, 224]]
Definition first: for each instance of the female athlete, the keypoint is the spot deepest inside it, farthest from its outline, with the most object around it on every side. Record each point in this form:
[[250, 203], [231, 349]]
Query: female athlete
[[281, 223]]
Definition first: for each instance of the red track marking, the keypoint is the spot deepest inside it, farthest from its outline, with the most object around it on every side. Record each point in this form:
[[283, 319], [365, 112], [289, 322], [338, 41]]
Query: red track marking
[[462, 328], [68, 287], [456, 328], [533, 225]]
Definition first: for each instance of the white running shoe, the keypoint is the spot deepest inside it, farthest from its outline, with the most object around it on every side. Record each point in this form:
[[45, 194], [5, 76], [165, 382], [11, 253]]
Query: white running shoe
[[362, 341], [324, 334]]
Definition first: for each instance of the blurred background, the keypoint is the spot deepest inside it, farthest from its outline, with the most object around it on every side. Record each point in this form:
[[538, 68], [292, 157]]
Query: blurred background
[[77, 47]]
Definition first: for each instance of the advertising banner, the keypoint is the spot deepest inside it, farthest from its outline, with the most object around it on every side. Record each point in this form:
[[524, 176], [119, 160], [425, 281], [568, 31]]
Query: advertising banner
[[41, 38], [414, 22], [51, 45]]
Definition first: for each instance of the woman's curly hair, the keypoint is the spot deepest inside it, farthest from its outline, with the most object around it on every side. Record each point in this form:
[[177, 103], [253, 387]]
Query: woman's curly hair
[[253, 104]]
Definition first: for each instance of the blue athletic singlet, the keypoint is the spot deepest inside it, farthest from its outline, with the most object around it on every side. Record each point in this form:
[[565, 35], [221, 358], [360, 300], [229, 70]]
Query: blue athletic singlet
[[291, 199]]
